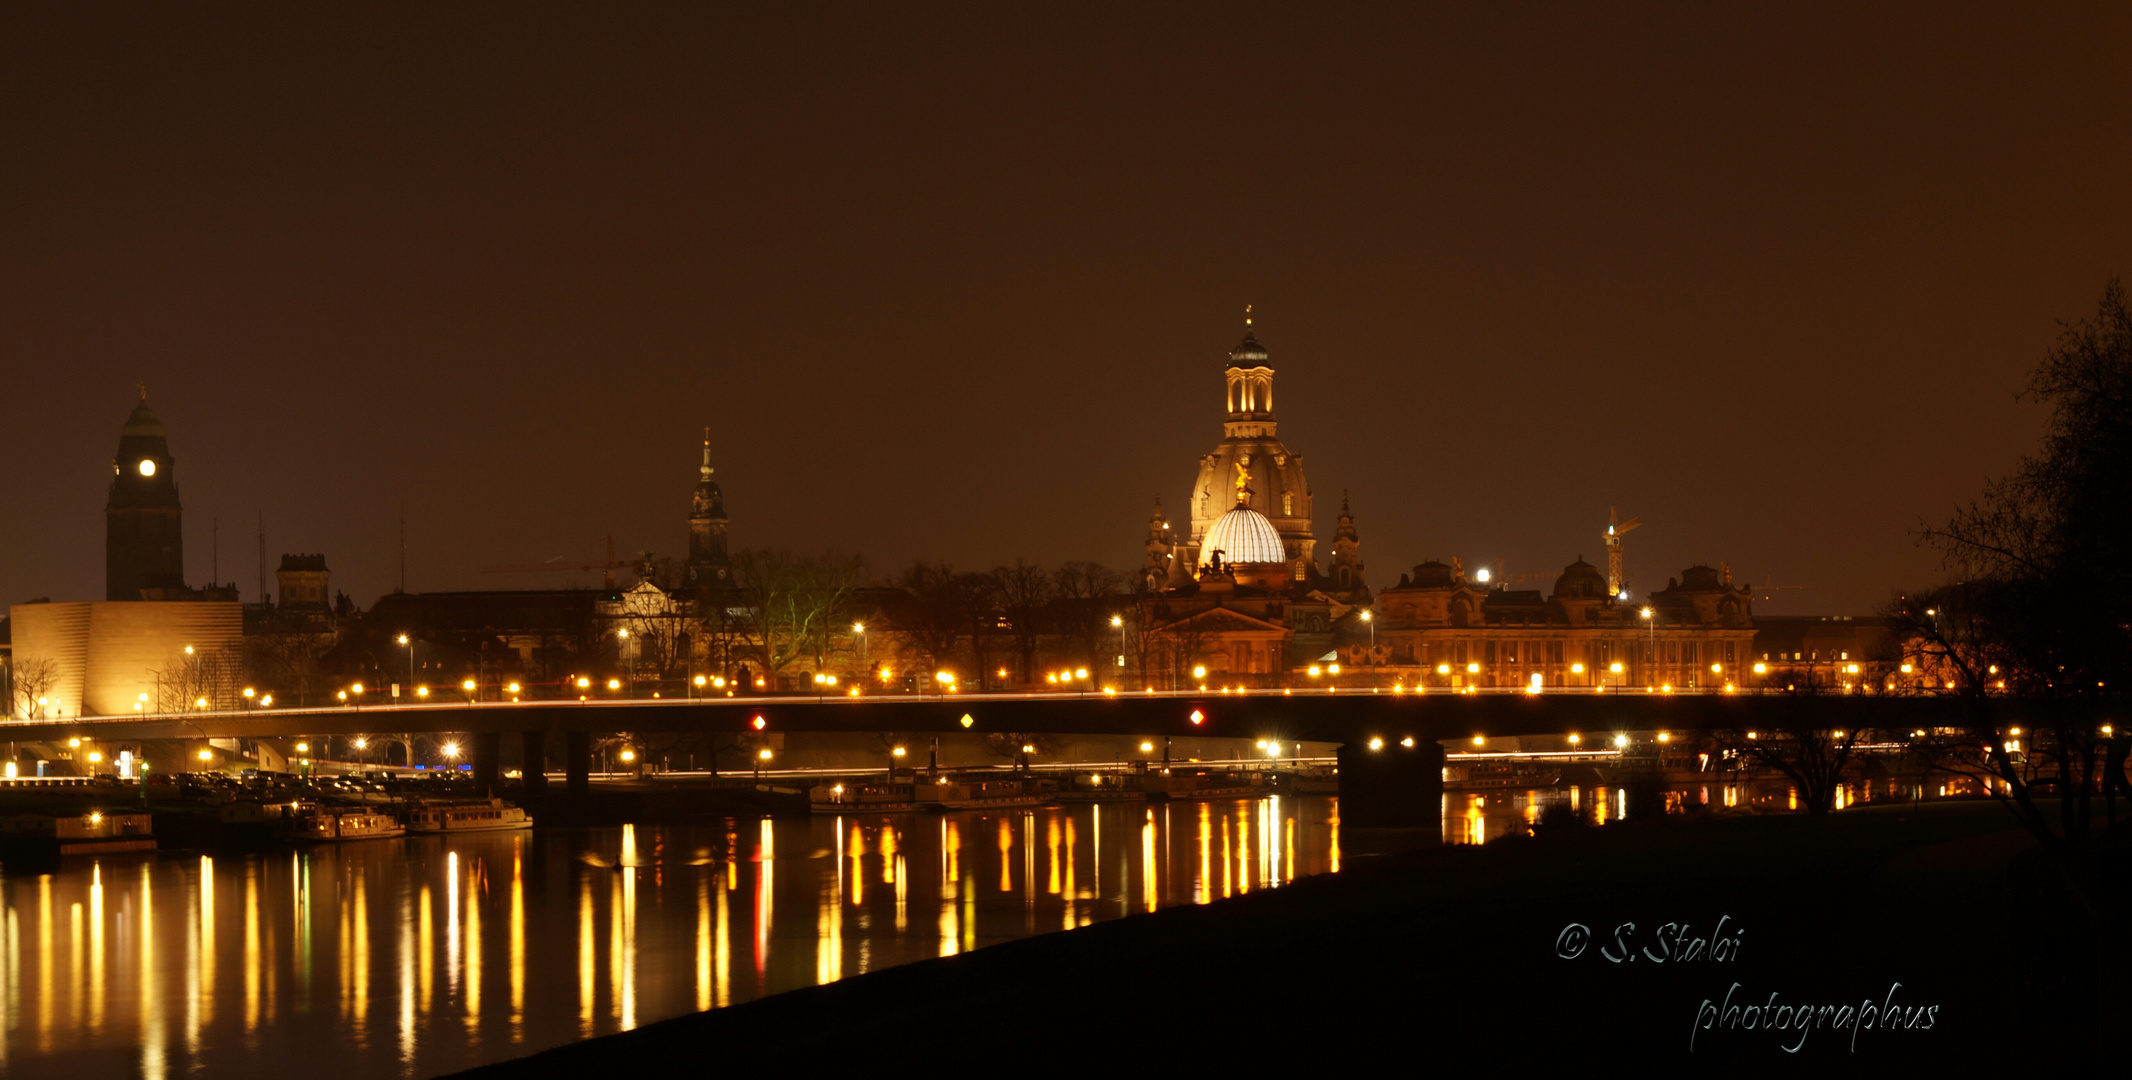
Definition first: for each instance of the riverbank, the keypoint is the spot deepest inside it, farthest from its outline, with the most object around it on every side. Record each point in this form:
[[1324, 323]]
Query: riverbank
[[1457, 957]]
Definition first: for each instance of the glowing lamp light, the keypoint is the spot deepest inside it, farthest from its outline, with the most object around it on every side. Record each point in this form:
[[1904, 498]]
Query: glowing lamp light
[[968, 720], [1473, 669], [207, 755], [1615, 667], [249, 693], [1621, 740], [898, 752], [1443, 669], [1376, 743], [1479, 740], [362, 743], [614, 684], [1663, 737], [1576, 669], [629, 755], [451, 750], [421, 691], [764, 753], [403, 639], [1315, 671], [759, 723], [1407, 742], [467, 686], [1574, 739], [1199, 671], [583, 683], [357, 688], [303, 748], [1198, 717], [512, 688], [1333, 669], [1760, 669], [1147, 747]]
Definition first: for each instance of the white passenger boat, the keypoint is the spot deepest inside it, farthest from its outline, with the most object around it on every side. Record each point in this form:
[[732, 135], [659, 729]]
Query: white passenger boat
[[491, 816]]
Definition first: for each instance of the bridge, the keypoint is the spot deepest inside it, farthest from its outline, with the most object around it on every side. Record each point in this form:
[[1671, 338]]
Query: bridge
[[1391, 753]]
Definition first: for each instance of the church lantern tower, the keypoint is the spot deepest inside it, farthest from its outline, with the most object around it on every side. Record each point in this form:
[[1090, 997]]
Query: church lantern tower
[[144, 533], [1252, 456], [708, 562], [1347, 550]]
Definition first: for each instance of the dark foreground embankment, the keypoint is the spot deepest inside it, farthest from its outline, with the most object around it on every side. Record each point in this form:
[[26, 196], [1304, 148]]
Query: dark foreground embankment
[[1466, 958]]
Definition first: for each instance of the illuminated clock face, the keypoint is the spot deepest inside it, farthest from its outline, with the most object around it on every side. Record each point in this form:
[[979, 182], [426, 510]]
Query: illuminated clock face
[[147, 467]]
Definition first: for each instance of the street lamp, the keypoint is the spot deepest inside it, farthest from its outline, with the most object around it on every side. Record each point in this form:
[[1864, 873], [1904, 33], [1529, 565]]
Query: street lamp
[[1117, 622], [410, 643], [628, 658], [1372, 622], [1650, 642], [858, 629]]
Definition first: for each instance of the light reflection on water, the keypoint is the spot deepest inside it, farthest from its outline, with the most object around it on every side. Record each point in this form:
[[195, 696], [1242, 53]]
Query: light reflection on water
[[1477, 817], [420, 956]]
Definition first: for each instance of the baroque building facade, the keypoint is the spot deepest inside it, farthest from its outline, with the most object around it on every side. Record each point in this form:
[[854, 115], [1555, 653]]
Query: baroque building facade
[[1242, 601]]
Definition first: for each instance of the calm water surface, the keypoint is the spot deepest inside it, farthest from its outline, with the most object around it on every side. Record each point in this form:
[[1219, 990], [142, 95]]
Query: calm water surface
[[426, 955]]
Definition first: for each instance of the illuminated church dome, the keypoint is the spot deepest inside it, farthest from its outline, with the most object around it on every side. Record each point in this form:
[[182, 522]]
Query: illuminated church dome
[[1244, 537], [1251, 451]]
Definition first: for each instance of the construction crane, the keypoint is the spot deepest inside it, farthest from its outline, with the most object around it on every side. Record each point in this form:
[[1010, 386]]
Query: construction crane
[[1615, 530], [1767, 589], [606, 568]]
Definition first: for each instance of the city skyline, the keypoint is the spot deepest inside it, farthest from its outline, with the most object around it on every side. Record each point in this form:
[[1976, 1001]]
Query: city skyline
[[978, 315]]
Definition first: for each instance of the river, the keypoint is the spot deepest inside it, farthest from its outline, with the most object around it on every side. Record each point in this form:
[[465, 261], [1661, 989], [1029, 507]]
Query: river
[[425, 955]]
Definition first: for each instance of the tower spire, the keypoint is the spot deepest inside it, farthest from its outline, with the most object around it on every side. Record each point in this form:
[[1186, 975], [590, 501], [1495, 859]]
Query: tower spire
[[704, 470]]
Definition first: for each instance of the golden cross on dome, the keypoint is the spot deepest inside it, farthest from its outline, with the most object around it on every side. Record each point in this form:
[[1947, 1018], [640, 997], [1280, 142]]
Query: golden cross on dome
[[143, 387]]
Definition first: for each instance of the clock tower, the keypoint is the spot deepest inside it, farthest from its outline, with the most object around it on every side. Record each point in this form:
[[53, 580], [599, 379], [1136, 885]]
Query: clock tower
[[144, 540]]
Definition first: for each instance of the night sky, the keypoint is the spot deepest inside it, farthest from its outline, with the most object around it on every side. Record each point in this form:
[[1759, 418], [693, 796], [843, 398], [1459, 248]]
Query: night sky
[[960, 284]]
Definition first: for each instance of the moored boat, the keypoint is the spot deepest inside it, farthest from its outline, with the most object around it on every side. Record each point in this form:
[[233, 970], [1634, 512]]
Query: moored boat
[[977, 793], [491, 816], [1207, 784], [1091, 787], [859, 797], [310, 823], [41, 837]]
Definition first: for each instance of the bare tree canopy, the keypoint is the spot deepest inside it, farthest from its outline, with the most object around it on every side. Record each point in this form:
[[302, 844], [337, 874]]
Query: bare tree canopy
[[2041, 607], [797, 600]]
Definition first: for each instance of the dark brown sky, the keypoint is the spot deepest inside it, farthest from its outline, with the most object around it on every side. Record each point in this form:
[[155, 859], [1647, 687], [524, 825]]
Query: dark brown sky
[[960, 284]]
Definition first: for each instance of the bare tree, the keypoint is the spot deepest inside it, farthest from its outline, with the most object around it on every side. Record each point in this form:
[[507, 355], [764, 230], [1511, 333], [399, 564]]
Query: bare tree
[[796, 599], [2043, 611], [198, 678], [931, 618], [1087, 597], [34, 682], [1025, 593], [292, 655]]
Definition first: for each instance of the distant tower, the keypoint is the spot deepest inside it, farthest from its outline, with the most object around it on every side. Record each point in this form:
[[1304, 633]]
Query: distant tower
[[1347, 550], [708, 563], [144, 536], [303, 581]]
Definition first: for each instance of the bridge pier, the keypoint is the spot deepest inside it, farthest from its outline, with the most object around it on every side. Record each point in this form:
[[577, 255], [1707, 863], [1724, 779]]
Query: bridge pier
[[533, 748], [577, 762], [1393, 786], [488, 754]]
